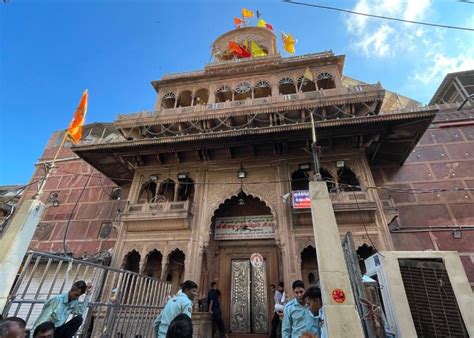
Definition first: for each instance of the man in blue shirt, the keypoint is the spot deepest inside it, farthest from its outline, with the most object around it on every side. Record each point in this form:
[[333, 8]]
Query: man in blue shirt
[[59, 308], [295, 313], [315, 316], [181, 303]]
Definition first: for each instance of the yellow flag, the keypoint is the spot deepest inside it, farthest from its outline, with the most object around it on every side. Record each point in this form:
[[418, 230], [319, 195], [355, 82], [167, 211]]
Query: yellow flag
[[261, 23], [288, 43], [308, 74], [256, 50], [247, 13]]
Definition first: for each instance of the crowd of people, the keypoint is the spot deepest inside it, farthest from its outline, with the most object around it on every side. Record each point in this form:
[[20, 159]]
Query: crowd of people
[[300, 317]]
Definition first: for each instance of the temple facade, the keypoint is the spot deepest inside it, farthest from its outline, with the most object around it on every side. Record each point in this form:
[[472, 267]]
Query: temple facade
[[216, 176]]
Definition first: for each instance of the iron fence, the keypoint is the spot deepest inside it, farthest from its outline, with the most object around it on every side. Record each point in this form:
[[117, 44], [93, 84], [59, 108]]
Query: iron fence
[[122, 304]]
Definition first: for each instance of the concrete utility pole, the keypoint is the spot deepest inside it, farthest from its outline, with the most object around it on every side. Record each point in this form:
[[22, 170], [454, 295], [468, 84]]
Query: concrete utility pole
[[340, 311], [15, 242]]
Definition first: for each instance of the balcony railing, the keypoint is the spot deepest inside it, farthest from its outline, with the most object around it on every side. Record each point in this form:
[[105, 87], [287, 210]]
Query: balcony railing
[[158, 216], [325, 93]]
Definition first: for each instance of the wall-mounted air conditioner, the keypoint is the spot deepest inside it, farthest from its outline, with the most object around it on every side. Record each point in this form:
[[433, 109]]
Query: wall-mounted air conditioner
[[423, 293]]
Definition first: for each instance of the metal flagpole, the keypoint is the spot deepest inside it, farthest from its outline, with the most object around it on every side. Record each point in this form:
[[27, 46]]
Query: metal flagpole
[[314, 149]]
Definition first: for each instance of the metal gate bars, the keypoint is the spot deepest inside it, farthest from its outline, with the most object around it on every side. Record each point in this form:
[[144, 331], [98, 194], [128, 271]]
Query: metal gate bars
[[123, 303]]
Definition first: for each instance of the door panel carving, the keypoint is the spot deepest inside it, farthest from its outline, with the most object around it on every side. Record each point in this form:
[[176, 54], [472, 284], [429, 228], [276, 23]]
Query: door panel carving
[[240, 296], [259, 299]]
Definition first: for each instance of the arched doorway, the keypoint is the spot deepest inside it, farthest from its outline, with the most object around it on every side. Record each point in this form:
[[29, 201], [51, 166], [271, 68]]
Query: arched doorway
[[309, 266], [243, 259], [175, 270]]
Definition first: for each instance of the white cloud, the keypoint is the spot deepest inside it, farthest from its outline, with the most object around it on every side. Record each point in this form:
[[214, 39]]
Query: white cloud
[[439, 64], [378, 43], [432, 52], [384, 38]]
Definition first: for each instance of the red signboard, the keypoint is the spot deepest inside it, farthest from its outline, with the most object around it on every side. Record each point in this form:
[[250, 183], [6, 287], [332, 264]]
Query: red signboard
[[301, 199]]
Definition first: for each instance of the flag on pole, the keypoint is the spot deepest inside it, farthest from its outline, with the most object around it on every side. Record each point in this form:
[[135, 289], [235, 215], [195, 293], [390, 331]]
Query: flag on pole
[[236, 49], [288, 42], [75, 128], [238, 22], [247, 13], [308, 74], [256, 50], [263, 23]]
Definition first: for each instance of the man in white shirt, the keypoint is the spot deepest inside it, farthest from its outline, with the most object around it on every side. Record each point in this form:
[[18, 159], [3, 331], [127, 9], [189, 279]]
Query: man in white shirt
[[279, 297]]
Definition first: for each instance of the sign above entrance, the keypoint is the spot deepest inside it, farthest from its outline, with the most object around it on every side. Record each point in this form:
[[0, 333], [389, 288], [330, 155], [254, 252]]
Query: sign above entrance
[[301, 199], [247, 227]]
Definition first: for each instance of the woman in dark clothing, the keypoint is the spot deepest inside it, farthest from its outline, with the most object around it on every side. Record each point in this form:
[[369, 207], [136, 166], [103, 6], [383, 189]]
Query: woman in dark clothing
[[215, 308]]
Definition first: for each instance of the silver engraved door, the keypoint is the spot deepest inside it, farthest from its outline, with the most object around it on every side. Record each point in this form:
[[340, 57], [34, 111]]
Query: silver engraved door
[[248, 306]]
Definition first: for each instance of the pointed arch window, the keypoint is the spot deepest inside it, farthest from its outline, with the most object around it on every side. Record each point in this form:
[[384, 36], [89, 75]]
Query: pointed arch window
[[169, 100], [243, 91], [347, 180], [286, 86], [223, 94], [262, 89], [305, 85], [325, 81]]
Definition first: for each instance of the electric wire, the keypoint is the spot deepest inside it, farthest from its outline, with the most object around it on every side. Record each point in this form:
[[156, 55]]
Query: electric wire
[[340, 184], [379, 16]]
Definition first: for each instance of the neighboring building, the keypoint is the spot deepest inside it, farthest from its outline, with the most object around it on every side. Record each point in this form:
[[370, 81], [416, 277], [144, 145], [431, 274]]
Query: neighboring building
[[443, 159], [213, 165], [79, 195]]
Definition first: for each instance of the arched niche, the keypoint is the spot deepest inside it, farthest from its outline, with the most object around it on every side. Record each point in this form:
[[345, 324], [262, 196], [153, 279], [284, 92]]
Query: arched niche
[[305, 85], [168, 101], [201, 96], [286, 86], [175, 269], [262, 89], [347, 180], [153, 266], [309, 266], [167, 190], [185, 99], [223, 94], [325, 81]]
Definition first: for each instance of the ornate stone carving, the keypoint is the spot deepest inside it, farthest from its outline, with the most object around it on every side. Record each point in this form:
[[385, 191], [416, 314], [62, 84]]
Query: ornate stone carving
[[259, 299], [240, 301]]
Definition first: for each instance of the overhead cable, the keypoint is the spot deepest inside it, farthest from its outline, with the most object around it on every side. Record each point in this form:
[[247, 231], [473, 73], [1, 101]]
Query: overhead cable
[[379, 16]]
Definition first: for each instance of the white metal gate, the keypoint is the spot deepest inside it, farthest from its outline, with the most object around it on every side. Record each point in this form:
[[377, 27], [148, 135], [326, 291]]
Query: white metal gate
[[123, 303]]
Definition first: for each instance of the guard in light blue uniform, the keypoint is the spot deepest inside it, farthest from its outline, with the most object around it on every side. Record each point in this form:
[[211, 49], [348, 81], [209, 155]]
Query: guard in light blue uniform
[[295, 315], [315, 323], [181, 303]]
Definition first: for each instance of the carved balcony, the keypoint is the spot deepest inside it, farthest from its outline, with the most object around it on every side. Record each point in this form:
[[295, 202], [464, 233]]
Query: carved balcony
[[161, 216], [352, 207]]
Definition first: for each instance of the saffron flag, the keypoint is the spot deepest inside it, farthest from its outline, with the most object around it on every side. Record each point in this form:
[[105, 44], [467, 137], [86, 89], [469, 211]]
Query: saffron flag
[[247, 13], [75, 128], [236, 49], [256, 50], [308, 74], [288, 43], [237, 22], [263, 23]]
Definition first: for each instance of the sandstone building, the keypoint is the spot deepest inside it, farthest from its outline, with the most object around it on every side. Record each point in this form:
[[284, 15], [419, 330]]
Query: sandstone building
[[218, 170]]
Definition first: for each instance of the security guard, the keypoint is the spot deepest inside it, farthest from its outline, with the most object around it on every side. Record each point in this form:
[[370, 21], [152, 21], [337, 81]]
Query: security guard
[[181, 303]]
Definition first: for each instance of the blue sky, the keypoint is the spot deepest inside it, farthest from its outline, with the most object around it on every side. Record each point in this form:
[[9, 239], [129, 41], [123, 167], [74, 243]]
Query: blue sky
[[51, 50]]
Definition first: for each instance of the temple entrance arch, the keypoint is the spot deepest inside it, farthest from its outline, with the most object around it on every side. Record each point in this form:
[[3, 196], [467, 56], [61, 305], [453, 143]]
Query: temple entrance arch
[[241, 226]]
